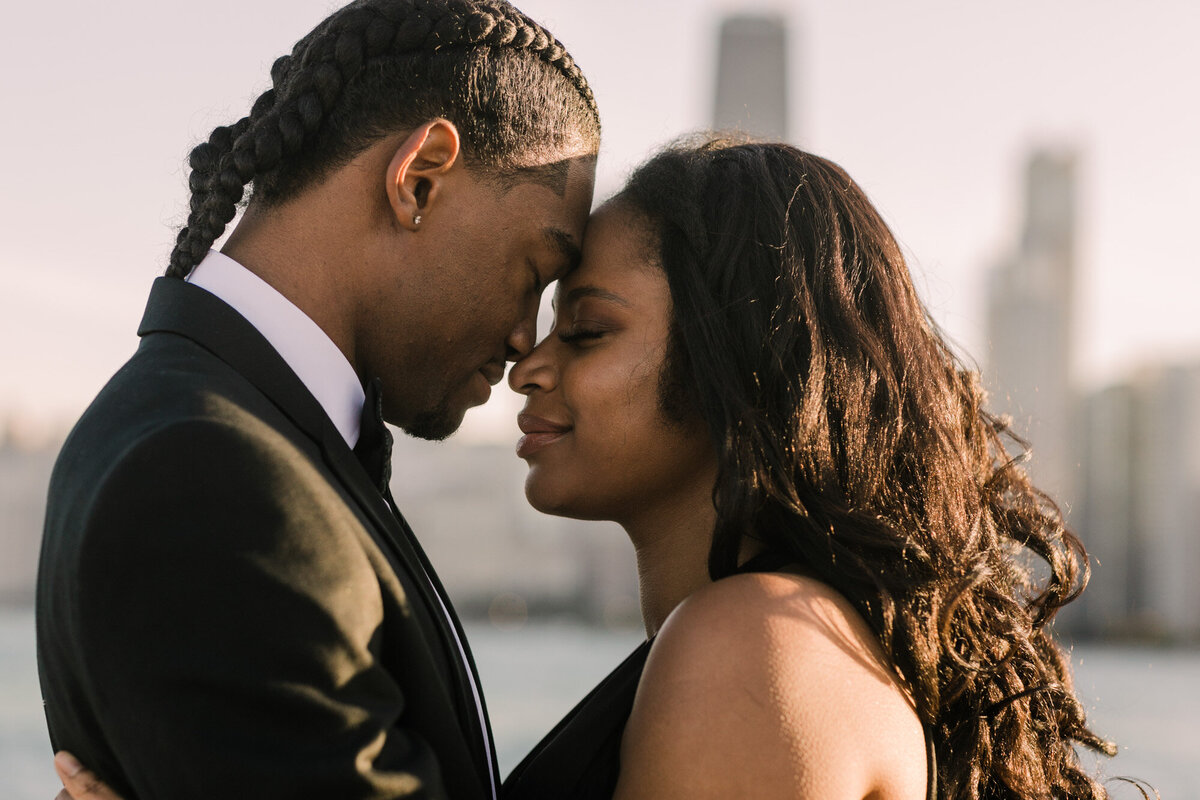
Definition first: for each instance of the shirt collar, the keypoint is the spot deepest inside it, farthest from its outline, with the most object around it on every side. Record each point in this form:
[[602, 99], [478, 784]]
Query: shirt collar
[[311, 354]]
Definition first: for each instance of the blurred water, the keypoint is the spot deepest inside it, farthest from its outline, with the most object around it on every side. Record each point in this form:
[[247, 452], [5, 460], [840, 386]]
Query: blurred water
[[25, 769], [1146, 699]]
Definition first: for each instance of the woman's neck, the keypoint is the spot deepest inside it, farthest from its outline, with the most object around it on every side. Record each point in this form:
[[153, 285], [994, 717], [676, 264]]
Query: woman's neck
[[672, 541]]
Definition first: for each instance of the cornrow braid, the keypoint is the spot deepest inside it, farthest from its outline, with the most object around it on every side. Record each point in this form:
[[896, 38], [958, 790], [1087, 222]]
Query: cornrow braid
[[378, 66]]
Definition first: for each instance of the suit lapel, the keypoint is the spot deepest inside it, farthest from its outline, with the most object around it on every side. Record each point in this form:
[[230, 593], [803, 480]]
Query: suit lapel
[[178, 307], [403, 541], [469, 697]]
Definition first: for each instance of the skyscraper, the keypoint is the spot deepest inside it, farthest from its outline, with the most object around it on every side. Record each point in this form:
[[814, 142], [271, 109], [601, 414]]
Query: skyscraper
[[752, 85], [1029, 325]]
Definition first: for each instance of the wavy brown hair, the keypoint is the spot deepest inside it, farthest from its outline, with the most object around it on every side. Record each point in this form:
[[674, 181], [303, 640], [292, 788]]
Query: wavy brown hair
[[852, 441]]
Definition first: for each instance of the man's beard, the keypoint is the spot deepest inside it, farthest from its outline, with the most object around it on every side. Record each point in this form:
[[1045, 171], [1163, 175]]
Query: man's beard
[[435, 424]]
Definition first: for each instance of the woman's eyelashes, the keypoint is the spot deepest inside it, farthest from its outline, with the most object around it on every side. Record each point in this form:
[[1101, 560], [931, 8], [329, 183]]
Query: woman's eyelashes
[[579, 333]]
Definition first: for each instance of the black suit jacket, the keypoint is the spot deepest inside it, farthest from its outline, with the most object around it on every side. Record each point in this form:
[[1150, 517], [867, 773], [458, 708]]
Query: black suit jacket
[[227, 607]]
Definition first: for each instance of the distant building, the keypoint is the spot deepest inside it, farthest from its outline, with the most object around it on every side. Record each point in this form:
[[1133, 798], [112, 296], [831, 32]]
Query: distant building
[[1140, 506], [1029, 315], [1105, 515], [1166, 499], [752, 77]]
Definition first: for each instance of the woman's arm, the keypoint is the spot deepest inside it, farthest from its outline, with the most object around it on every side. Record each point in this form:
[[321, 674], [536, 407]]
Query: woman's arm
[[770, 685]]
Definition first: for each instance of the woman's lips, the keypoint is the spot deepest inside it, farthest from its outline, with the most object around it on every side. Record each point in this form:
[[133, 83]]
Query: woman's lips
[[539, 433]]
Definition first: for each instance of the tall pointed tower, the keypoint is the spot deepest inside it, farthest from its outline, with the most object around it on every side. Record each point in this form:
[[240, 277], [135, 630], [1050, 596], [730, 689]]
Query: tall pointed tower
[[752, 85]]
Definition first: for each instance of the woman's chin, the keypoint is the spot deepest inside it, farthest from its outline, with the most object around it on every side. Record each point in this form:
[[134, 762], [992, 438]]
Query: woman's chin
[[545, 501], [536, 492], [557, 501]]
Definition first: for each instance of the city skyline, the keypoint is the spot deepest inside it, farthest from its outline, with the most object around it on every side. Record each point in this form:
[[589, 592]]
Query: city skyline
[[1121, 462], [931, 106]]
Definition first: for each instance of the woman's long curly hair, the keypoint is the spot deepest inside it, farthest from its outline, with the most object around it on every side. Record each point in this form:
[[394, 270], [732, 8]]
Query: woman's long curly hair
[[852, 441]]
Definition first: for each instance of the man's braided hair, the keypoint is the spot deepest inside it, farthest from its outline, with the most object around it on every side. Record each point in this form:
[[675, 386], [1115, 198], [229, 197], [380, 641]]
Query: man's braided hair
[[375, 67]]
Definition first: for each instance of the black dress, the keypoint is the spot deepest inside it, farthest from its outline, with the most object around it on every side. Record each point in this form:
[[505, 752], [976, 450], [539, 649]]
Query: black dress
[[581, 758]]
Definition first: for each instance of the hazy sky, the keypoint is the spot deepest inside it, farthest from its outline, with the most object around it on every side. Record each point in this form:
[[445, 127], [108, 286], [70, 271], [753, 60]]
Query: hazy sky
[[932, 105]]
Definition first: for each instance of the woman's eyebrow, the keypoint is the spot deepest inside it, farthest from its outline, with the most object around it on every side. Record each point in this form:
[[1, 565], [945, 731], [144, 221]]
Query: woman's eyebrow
[[579, 292]]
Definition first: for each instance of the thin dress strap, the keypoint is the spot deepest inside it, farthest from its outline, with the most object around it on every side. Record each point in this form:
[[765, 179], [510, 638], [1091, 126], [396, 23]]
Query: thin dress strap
[[931, 773], [765, 562]]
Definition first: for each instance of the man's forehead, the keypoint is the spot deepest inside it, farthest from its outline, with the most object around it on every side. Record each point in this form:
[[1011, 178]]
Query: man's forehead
[[566, 245], [553, 175]]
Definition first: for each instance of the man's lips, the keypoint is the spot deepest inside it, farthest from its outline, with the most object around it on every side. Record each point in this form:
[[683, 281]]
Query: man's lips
[[538, 432]]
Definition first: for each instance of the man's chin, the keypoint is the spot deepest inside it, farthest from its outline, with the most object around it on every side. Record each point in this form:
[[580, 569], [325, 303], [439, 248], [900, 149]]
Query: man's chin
[[435, 425]]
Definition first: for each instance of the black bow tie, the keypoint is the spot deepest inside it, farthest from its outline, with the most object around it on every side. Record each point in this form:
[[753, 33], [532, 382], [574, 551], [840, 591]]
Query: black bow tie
[[374, 448]]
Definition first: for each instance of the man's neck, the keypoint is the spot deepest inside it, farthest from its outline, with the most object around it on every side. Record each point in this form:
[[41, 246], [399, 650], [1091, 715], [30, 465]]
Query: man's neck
[[289, 251], [295, 336]]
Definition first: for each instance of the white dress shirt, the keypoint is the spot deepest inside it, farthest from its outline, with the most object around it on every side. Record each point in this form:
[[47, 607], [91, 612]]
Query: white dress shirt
[[312, 355]]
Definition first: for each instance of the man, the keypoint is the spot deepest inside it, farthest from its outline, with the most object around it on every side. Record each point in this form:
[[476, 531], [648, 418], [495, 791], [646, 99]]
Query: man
[[228, 603]]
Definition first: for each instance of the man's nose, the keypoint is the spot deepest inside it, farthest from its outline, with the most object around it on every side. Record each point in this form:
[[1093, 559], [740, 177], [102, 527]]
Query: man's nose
[[521, 340]]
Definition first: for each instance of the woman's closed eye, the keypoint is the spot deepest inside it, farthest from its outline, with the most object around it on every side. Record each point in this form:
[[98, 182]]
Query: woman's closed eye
[[580, 333]]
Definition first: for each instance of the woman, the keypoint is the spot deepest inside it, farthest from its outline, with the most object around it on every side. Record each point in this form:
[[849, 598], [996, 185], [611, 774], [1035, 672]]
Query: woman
[[833, 544], [741, 374]]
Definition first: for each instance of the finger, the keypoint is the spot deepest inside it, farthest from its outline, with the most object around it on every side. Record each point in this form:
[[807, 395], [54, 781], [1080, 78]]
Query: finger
[[80, 783]]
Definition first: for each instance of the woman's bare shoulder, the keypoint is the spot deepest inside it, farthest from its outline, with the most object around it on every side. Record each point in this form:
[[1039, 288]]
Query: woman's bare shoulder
[[765, 622], [770, 684]]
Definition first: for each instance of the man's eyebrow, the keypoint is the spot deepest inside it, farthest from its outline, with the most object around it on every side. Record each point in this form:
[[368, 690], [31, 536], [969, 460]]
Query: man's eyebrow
[[580, 292], [561, 241]]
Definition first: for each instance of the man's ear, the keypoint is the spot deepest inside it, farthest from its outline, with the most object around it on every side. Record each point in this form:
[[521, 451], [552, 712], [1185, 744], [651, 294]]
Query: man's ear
[[416, 174]]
